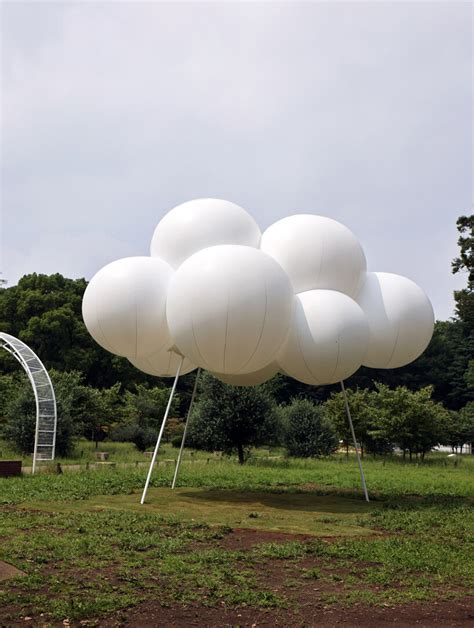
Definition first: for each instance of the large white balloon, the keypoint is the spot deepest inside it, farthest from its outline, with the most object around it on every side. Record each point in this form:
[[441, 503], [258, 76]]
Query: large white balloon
[[317, 253], [229, 309], [250, 379], [124, 306], [163, 363], [400, 319], [199, 224], [328, 338]]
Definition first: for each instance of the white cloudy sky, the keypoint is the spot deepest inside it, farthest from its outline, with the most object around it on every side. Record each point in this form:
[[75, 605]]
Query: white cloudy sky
[[112, 113]]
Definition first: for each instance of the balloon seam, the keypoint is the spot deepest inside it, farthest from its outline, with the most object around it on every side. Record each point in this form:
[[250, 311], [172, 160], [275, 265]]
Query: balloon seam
[[196, 344], [261, 331], [101, 330], [303, 358], [338, 353], [226, 328], [387, 366]]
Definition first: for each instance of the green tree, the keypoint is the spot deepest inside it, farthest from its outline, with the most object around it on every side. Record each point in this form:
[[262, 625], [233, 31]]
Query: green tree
[[411, 420], [308, 432], [392, 417], [20, 411], [141, 437], [465, 263], [360, 404], [230, 418], [45, 311], [462, 428], [145, 406]]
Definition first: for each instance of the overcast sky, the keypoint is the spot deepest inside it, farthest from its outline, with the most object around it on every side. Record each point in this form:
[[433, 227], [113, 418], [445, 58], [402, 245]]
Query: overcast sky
[[113, 113]]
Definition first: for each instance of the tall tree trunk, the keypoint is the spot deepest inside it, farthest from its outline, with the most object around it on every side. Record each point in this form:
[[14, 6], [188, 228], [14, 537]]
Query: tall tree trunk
[[240, 451]]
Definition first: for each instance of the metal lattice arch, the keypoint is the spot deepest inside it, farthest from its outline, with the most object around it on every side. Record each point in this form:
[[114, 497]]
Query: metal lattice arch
[[46, 415]]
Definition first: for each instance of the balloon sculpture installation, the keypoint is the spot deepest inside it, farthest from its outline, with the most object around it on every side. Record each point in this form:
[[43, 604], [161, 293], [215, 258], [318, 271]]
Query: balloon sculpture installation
[[218, 294]]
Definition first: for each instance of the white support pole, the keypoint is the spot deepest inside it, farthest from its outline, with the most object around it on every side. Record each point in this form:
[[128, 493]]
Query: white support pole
[[348, 412], [180, 455], [162, 429]]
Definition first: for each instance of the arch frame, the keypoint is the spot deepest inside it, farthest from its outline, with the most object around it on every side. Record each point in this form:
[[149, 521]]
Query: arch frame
[[45, 398]]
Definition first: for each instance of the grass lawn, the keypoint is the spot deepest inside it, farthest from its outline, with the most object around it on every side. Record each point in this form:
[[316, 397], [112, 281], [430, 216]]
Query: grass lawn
[[275, 542]]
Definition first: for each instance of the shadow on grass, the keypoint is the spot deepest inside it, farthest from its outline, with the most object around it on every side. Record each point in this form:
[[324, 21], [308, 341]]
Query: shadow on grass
[[286, 500], [321, 500]]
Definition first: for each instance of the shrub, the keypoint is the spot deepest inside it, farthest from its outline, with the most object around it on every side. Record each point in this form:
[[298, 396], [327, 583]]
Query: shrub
[[308, 431], [231, 418], [141, 437]]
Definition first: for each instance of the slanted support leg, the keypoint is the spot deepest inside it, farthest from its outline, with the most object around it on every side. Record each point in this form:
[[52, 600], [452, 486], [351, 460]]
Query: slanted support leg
[[162, 429], [361, 470], [180, 455]]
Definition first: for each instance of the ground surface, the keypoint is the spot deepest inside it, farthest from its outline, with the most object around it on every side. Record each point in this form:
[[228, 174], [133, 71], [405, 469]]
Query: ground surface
[[274, 545], [457, 613], [9, 571]]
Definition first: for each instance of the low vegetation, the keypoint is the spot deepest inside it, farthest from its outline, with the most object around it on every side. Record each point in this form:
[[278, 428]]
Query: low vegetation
[[89, 549]]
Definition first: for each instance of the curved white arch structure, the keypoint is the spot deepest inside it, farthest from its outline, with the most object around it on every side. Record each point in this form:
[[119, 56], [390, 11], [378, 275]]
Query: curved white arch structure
[[46, 415]]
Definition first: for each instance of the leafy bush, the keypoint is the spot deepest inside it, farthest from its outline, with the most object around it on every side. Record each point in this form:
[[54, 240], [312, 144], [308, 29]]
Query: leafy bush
[[230, 418], [308, 431], [20, 413], [141, 437], [392, 417], [176, 440]]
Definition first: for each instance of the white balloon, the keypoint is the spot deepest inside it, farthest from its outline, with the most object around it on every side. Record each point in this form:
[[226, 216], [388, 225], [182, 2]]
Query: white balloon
[[317, 253], [199, 224], [249, 379], [124, 306], [229, 309], [163, 363], [400, 319], [328, 338]]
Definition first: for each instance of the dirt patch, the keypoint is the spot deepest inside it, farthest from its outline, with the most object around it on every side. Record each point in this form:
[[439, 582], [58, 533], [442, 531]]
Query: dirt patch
[[423, 615], [246, 538], [240, 539], [9, 571]]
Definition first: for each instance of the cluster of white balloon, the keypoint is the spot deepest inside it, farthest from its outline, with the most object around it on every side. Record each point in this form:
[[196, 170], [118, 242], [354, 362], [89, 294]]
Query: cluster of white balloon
[[244, 305], [218, 294]]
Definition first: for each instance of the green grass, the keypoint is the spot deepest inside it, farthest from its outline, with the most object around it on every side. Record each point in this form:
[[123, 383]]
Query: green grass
[[85, 452], [89, 548], [338, 475], [299, 513]]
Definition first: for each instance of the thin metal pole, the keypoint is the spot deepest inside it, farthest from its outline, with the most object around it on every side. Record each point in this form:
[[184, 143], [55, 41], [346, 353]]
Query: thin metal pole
[[348, 412], [162, 429], [178, 462]]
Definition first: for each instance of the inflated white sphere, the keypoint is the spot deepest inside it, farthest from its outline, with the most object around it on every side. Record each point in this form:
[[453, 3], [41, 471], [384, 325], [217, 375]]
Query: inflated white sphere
[[328, 338], [229, 309], [250, 379], [199, 224], [124, 306], [400, 317], [317, 253], [163, 363]]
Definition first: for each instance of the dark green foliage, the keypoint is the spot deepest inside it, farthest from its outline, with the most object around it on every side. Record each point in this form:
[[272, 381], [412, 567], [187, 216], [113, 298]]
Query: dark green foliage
[[45, 312], [146, 406], [461, 427], [308, 431], [230, 418], [176, 440], [142, 437], [465, 263], [20, 413], [387, 418]]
